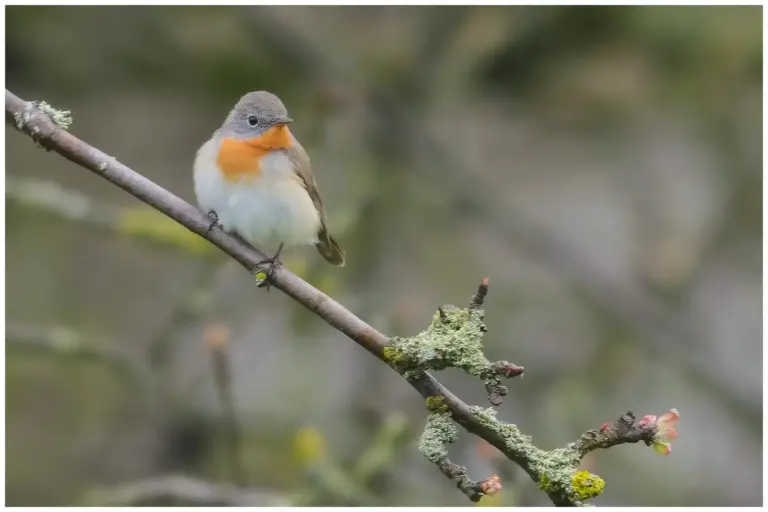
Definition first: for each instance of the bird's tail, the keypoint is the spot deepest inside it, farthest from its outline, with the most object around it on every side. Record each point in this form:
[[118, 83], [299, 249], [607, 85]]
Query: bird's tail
[[330, 250]]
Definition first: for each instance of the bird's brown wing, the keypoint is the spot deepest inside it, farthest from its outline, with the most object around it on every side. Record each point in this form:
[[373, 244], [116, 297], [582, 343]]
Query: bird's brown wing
[[326, 245]]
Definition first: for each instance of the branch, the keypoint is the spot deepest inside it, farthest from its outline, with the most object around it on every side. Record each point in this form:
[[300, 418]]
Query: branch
[[453, 339], [479, 298], [650, 430]]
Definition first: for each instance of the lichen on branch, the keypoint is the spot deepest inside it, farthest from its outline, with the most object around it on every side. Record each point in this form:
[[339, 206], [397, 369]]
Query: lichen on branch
[[453, 340], [557, 471], [61, 118], [441, 431]]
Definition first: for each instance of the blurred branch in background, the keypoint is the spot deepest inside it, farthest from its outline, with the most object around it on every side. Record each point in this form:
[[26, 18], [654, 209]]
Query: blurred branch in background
[[380, 456], [64, 342], [325, 481], [217, 343], [181, 490], [140, 222], [328, 482]]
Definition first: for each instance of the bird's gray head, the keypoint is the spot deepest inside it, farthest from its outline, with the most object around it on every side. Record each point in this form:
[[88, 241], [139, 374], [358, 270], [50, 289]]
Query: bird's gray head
[[254, 114]]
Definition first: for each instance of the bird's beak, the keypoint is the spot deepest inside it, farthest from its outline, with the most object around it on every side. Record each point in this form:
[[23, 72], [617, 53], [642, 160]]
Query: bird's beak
[[284, 120]]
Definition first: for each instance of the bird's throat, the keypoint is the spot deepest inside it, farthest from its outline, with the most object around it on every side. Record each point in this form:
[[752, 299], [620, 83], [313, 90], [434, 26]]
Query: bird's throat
[[240, 158]]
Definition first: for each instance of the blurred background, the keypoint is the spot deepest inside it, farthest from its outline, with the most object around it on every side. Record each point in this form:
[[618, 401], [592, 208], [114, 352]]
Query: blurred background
[[601, 164]]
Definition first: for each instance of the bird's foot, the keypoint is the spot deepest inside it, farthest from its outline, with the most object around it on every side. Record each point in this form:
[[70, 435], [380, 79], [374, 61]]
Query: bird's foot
[[273, 262], [214, 221]]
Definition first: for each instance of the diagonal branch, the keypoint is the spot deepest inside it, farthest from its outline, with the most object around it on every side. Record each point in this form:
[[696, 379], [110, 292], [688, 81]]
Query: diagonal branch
[[555, 471]]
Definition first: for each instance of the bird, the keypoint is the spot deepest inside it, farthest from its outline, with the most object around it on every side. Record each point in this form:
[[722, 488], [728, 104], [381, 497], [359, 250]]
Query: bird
[[254, 179]]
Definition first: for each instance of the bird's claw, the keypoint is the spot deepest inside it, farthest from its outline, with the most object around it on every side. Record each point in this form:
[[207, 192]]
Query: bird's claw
[[273, 262], [266, 281], [215, 221]]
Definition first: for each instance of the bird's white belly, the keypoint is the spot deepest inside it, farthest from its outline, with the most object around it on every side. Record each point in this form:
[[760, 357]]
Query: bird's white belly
[[271, 209]]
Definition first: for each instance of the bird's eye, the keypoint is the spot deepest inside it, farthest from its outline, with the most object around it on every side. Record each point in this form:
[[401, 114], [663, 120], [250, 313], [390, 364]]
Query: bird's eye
[[253, 120]]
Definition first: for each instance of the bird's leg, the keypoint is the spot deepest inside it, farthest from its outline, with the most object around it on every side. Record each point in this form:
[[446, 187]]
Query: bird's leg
[[214, 221], [274, 262]]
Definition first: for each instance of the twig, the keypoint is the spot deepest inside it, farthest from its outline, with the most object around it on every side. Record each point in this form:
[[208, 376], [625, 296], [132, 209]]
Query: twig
[[623, 430], [479, 298], [554, 471], [440, 431]]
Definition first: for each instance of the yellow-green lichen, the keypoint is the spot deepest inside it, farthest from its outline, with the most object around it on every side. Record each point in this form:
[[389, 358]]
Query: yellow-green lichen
[[552, 482], [435, 403], [545, 484], [392, 355], [585, 485]]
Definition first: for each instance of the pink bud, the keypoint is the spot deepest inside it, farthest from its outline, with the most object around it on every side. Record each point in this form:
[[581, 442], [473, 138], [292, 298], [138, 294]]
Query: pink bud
[[647, 420], [491, 486]]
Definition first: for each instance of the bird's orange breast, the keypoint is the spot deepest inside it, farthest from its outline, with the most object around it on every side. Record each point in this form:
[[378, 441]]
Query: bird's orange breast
[[238, 158]]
